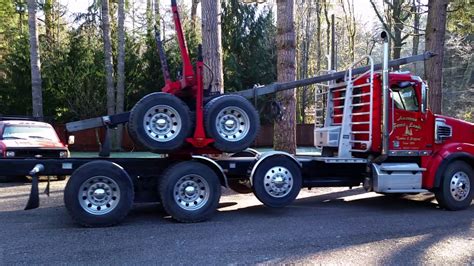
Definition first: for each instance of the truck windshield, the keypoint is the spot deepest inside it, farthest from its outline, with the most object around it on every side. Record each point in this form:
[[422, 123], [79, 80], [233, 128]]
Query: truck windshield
[[405, 99], [29, 131]]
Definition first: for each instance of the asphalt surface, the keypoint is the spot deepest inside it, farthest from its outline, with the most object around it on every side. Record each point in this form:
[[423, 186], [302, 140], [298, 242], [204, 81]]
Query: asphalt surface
[[324, 226]]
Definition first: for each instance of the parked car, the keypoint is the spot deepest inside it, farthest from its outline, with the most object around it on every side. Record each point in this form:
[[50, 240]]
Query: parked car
[[22, 138]]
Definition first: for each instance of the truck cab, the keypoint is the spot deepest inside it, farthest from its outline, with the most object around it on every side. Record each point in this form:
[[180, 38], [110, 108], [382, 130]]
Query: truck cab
[[424, 151]]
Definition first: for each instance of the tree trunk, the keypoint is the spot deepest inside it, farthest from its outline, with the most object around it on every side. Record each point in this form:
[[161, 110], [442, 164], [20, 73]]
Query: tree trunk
[[48, 20], [416, 31], [349, 21], [194, 5], [149, 18], [36, 90], [284, 134], [434, 39], [120, 70], [108, 58], [328, 31], [212, 44], [305, 60], [397, 31], [318, 37], [157, 13]]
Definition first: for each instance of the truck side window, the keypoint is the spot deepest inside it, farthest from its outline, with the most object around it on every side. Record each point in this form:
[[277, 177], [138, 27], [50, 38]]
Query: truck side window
[[405, 98]]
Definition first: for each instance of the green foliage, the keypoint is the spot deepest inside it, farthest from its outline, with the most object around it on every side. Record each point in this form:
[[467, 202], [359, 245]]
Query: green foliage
[[72, 64], [460, 17], [248, 45], [15, 84]]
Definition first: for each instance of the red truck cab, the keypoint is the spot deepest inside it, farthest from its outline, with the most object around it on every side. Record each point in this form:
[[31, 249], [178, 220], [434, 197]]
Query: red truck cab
[[424, 151]]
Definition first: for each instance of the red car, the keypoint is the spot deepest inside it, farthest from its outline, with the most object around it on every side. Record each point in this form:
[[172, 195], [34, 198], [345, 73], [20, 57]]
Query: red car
[[30, 139]]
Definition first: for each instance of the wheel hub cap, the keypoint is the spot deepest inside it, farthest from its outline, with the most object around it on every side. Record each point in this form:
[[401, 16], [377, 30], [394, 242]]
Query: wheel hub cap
[[229, 124], [278, 182], [460, 186], [191, 192], [232, 123], [99, 195], [162, 123]]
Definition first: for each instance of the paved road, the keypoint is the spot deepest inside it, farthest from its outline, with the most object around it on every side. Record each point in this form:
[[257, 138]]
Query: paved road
[[336, 226]]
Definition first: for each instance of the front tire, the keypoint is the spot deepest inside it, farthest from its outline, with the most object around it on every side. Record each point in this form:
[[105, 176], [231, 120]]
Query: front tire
[[160, 122], [190, 191], [98, 194], [277, 181], [456, 192]]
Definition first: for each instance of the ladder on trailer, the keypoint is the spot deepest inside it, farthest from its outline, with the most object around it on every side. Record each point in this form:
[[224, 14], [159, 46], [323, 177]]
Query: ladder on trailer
[[346, 115]]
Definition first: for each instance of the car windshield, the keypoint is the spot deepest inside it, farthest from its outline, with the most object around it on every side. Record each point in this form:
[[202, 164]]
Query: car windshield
[[29, 131]]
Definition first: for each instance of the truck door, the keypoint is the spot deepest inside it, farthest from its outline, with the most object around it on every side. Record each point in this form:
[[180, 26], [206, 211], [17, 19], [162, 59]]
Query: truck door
[[408, 122]]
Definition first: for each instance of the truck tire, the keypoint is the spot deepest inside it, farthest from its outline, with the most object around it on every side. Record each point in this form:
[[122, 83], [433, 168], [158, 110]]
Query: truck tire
[[456, 192], [232, 121], [98, 194], [160, 122], [189, 191], [277, 181]]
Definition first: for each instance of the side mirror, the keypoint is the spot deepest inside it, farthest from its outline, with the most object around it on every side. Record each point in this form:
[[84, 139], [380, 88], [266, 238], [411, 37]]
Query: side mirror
[[424, 97], [71, 139]]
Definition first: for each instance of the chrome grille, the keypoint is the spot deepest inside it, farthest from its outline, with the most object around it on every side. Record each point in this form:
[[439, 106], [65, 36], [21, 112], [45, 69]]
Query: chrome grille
[[442, 130]]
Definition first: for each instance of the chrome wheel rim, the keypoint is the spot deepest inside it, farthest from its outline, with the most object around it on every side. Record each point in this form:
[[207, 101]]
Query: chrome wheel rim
[[191, 192], [232, 123], [460, 186], [162, 123], [278, 182], [99, 195]]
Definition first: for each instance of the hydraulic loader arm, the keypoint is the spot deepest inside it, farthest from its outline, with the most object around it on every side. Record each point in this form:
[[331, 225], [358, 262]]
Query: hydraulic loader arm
[[281, 86]]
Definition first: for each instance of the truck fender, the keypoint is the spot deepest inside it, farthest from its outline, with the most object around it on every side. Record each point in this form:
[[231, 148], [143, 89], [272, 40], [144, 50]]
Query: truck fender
[[214, 166], [458, 156], [265, 156]]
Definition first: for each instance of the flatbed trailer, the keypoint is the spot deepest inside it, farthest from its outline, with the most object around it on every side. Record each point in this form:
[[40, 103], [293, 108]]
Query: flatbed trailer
[[101, 191]]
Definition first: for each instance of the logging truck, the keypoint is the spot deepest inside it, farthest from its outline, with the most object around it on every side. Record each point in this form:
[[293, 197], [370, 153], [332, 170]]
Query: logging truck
[[373, 127]]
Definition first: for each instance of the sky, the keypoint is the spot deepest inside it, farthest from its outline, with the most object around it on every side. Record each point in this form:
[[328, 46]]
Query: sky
[[363, 8]]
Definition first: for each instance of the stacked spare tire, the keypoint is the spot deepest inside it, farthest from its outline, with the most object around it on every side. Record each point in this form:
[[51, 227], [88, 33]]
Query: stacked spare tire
[[161, 122]]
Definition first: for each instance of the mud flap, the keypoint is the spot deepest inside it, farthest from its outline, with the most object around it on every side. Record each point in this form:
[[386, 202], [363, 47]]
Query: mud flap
[[33, 201]]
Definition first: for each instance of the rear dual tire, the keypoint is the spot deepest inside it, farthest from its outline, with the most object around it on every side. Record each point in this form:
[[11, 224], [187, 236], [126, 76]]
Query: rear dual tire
[[190, 191]]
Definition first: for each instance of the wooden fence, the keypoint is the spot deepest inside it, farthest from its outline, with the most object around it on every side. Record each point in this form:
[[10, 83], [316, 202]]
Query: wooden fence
[[88, 140]]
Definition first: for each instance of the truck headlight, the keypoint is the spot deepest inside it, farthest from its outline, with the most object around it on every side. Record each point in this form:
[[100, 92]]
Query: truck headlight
[[63, 154], [10, 154]]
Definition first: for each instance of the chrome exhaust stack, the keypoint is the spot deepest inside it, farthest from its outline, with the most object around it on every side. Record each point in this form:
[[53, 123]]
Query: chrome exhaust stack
[[385, 95]]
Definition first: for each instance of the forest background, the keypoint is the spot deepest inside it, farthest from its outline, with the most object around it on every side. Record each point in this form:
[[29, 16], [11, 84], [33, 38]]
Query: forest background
[[73, 71]]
